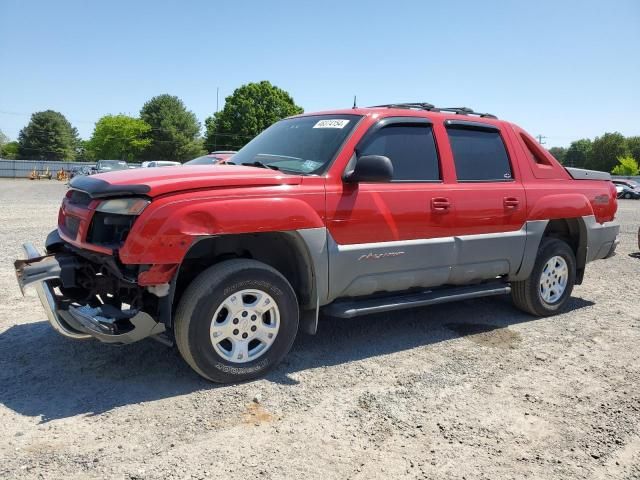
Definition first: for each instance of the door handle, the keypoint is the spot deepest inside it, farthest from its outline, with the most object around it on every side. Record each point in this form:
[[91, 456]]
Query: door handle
[[440, 204], [511, 203]]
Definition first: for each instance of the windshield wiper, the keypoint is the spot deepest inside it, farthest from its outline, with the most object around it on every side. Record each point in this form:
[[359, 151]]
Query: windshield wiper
[[259, 165]]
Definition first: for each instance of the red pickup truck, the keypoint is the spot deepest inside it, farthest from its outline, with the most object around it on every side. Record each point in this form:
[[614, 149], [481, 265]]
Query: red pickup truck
[[345, 213]]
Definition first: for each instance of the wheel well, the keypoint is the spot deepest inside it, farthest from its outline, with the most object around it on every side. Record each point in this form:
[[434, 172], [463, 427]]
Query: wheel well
[[284, 251], [573, 232]]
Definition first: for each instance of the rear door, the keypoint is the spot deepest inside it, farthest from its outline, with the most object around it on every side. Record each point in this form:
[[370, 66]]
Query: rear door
[[489, 199]]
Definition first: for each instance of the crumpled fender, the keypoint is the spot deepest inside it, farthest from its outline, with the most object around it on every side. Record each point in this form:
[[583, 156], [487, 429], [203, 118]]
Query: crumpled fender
[[167, 229]]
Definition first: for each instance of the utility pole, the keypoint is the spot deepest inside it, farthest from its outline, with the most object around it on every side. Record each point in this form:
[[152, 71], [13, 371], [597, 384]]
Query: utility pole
[[215, 133], [540, 139]]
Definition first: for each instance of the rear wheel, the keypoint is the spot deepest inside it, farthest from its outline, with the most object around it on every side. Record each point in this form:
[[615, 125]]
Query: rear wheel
[[627, 195], [551, 282], [236, 320]]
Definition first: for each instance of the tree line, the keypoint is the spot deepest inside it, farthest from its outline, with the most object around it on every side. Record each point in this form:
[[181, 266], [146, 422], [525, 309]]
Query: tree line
[[612, 152], [164, 129]]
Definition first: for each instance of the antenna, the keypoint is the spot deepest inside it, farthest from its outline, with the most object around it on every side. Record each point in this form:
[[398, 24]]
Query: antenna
[[354, 102]]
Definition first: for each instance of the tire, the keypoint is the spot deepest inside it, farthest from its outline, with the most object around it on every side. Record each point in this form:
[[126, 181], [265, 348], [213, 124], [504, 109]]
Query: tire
[[627, 196], [210, 346], [529, 295]]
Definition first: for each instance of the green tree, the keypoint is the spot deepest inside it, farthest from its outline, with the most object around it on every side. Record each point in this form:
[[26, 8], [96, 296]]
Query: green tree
[[633, 144], [84, 153], [9, 150], [119, 137], [174, 130], [48, 136], [606, 150], [559, 153], [3, 139], [578, 153], [247, 112], [627, 166]]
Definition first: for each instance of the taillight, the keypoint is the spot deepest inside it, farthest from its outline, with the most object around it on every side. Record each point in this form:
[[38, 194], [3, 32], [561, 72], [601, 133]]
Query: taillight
[[614, 199]]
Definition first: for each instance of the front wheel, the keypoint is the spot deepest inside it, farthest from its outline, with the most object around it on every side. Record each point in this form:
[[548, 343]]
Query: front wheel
[[551, 282], [236, 320]]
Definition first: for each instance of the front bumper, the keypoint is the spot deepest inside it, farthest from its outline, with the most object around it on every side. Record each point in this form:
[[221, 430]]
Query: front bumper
[[71, 319]]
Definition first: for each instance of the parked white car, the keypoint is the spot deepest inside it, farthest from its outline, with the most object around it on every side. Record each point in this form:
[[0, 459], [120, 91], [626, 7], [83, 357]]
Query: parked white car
[[160, 163]]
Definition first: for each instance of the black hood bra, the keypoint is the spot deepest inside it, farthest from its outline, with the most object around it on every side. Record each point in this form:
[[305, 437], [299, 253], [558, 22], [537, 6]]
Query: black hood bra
[[98, 188]]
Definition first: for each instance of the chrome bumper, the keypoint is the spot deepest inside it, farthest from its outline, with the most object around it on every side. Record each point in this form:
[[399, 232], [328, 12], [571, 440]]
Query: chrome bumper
[[73, 321]]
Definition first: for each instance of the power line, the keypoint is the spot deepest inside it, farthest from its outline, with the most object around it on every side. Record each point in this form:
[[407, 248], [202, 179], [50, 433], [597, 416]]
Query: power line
[[23, 114], [116, 137], [164, 130], [75, 120]]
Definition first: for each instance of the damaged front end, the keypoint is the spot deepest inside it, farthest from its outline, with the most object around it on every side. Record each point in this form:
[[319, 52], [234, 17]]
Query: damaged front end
[[87, 295]]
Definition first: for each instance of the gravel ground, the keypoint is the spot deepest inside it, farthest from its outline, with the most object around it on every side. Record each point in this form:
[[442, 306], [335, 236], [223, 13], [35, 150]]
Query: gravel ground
[[468, 390]]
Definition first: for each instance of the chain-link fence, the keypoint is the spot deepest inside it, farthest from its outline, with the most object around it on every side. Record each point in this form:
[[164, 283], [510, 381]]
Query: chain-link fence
[[24, 168]]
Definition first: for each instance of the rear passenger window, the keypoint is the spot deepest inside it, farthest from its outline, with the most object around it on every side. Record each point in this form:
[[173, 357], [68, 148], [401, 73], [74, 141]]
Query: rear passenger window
[[411, 149], [479, 155]]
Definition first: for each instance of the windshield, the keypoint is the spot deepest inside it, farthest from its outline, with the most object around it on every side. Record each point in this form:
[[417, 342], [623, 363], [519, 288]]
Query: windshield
[[205, 160], [300, 145], [112, 165], [626, 183]]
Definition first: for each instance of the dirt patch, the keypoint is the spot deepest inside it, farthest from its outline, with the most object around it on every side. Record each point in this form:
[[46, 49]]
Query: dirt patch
[[256, 414], [492, 336]]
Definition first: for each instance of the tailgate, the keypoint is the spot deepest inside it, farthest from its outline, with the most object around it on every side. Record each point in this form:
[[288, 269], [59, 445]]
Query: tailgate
[[583, 174]]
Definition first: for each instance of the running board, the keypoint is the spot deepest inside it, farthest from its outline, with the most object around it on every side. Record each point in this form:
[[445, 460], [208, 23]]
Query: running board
[[349, 308]]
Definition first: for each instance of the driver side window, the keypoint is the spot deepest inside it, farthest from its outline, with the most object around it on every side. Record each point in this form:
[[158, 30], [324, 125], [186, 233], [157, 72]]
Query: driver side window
[[411, 149]]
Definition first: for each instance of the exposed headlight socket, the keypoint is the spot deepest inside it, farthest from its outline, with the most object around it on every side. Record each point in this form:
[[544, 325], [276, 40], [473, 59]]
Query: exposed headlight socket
[[123, 206]]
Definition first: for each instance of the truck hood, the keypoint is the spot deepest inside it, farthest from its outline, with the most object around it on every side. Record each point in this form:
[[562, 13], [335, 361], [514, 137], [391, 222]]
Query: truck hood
[[153, 182]]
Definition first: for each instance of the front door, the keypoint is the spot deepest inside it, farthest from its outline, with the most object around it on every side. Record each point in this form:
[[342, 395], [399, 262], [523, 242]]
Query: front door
[[392, 236]]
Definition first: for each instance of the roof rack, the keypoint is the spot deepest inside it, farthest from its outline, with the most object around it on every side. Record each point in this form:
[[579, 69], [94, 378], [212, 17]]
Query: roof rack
[[432, 108], [414, 105]]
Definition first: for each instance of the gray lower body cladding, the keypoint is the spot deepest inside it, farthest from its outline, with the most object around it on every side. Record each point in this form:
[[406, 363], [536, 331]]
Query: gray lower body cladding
[[363, 269], [602, 239]]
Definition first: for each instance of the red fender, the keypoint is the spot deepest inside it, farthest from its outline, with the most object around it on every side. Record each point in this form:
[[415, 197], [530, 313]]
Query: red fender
[[562, 205], [166, 231]]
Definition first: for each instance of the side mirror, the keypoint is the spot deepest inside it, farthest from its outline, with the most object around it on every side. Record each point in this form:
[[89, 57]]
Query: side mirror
[[370, 168]]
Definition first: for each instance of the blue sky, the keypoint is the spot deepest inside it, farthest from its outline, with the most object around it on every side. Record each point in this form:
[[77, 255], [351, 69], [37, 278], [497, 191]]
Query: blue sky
[[564, 69]]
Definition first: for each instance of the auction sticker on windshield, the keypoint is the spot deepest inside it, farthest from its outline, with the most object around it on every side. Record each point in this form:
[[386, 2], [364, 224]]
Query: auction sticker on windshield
[[334, 123]]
